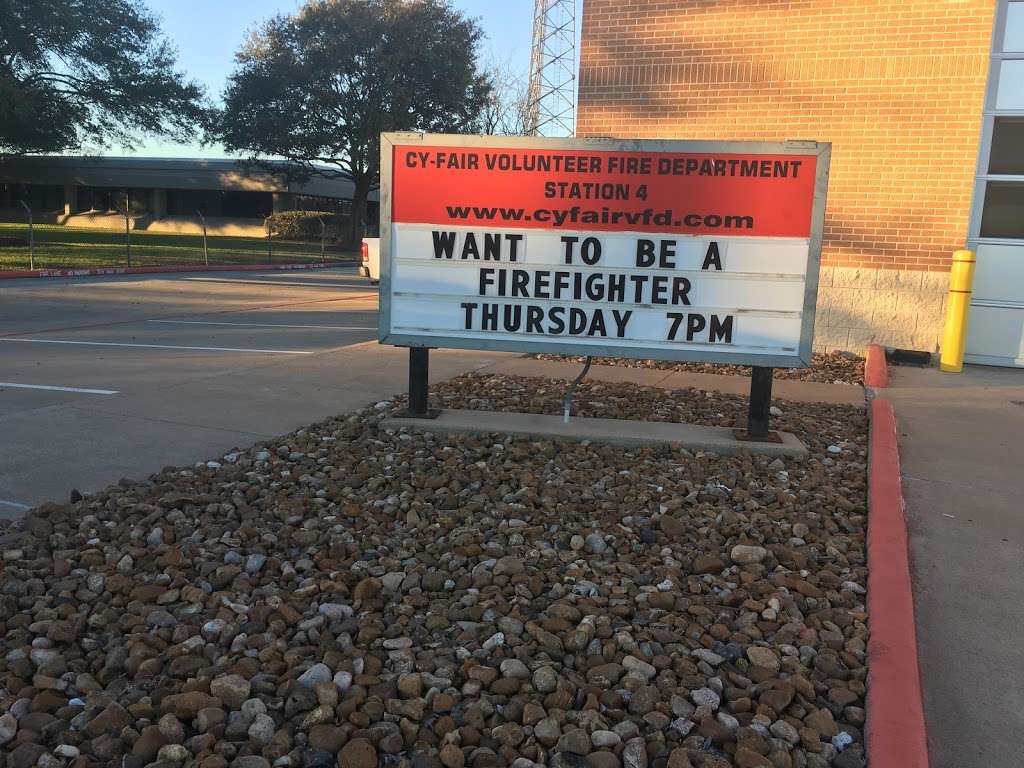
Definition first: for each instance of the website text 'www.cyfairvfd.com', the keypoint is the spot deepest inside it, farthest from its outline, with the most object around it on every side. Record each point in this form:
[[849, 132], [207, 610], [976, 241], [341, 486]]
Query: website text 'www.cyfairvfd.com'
[[567, 217]]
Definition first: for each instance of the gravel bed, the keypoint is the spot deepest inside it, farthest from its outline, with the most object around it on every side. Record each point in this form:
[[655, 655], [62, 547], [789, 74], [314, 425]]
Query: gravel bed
[[347, 596], [827, 368]]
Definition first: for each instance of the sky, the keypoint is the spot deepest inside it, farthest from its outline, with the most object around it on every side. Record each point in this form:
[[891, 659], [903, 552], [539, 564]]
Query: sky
[[208, 32]]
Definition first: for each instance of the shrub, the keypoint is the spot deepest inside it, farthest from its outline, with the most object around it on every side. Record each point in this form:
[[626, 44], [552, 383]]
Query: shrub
[[303, 225]]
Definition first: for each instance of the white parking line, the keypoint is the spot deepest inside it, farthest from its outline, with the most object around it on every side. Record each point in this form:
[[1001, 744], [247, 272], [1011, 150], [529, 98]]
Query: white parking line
[[15, 504], [264, 282], [270, 325], [156, 346], [12, 385]]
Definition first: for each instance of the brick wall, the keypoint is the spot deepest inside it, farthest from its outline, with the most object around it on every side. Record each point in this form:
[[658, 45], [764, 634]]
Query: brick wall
[[897, 87]]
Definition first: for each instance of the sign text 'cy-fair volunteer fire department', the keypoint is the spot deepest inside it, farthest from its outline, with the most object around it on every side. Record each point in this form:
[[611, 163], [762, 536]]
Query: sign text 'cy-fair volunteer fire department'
[[647, 249]]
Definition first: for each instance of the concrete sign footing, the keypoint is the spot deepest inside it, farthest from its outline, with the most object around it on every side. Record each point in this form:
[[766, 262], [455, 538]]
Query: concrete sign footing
[[615, 431]]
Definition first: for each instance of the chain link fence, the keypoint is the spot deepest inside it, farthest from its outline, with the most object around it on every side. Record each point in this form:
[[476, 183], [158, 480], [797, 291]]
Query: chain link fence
[[48, 246]]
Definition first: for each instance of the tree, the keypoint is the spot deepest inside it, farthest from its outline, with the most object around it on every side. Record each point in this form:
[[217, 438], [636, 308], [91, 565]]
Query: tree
[[76, 72], [317, 88], [507, 112]]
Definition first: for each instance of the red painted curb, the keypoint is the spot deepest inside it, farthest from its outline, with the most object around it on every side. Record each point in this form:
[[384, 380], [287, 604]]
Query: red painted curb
[[896, 736], [876, 369], [97, 271]]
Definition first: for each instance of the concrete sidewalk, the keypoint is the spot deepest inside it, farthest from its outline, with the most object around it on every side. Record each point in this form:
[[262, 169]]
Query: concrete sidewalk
[[963, 478]]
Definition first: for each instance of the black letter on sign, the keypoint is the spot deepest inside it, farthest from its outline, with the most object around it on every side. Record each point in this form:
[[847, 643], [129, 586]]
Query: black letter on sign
[[569, 243], [469, 307], [486, 279], [590, 251], [713, 257], [513, 245], [677, 319], [444, 244], [694, 324], [721, 330], [645, 253]]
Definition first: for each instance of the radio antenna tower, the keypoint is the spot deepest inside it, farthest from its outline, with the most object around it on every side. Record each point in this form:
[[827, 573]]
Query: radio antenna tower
[[551, 97]]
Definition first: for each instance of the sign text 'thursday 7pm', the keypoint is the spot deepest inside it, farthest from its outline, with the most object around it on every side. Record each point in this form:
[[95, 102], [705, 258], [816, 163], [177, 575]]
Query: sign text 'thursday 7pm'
[[646, 249]]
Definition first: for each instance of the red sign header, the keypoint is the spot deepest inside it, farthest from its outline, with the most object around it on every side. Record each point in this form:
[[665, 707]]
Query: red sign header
[[756, 195]]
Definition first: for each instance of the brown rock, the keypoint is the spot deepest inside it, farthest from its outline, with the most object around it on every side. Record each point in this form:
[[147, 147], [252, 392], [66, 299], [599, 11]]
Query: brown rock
[[604, 759], [706, 563], [748, 758], [330, 738], [710, 728], [185, 706], [777, 698], [358, 753], [452, 756], [110, 720], [823, 722], [25, 755], [367, 589], [671, 527], [509, 566], [148, 744]]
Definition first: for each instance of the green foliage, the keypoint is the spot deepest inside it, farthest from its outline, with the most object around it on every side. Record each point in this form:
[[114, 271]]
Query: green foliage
[[318, 88], [303, 225], [81, 72]]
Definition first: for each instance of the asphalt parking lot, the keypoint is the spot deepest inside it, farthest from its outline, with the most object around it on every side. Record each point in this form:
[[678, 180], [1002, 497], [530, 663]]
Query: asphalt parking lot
[[104, 378]]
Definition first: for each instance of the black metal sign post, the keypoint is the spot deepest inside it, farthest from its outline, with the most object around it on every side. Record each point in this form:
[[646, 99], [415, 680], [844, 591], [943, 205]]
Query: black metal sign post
[[419, 370], [759, 409]]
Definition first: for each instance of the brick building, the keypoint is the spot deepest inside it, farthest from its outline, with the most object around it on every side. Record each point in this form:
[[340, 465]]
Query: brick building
[[923, 101]]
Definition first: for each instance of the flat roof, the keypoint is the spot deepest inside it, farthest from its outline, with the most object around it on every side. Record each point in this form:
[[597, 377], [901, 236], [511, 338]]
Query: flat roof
[[165, 173]]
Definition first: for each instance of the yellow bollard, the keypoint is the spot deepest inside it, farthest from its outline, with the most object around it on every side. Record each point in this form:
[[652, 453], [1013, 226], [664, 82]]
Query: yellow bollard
[[961, 279]]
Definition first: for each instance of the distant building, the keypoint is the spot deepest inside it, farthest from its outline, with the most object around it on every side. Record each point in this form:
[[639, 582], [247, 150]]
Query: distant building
[[922, 101], [162, 194]]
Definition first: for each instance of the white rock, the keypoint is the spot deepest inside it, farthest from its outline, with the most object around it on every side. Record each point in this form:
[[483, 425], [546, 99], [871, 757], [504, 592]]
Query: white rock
[[728, 721], [705, 697], [336, 611], [8, 728], [609, 739], [173, 753], [842, 740], [780, 729], [708, 656], [343, 680], [745, 554], [262, 729], [312, 677], [639, 667], [492, 642], [682, 726], [514, 668]]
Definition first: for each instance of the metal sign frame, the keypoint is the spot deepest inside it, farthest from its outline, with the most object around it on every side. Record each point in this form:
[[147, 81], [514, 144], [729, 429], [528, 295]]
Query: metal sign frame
[[541, 345]]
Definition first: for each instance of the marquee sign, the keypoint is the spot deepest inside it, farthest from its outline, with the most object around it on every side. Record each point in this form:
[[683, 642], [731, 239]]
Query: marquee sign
[[671, 250]]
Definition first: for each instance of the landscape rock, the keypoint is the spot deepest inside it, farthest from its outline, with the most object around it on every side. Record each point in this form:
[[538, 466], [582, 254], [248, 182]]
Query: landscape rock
[[353, 595]]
